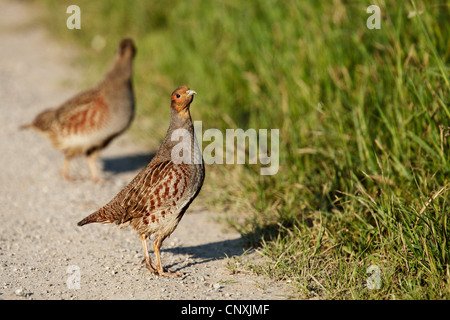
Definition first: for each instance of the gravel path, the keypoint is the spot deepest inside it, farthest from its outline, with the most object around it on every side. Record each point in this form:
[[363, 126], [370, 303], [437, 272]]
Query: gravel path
[[43, 254]]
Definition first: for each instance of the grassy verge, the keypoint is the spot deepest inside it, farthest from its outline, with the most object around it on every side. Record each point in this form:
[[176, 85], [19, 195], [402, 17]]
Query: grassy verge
[[364, 121]]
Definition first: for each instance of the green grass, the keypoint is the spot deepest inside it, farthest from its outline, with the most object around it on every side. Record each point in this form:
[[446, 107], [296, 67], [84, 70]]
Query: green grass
[[364, 121]]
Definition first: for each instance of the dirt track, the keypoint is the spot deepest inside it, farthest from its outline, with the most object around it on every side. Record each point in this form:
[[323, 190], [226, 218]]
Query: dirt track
[[43, 253]]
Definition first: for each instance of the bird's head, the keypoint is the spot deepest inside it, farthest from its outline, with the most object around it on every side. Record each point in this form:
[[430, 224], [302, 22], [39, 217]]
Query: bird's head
[[127, 49], [181, 99]]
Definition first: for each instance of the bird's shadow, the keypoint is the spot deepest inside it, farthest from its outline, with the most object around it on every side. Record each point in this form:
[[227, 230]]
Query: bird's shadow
[[127, 163], [209, 252]]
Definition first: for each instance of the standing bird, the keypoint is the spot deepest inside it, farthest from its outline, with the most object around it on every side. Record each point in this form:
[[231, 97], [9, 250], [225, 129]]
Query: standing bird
[[88, 122], [156, 199]]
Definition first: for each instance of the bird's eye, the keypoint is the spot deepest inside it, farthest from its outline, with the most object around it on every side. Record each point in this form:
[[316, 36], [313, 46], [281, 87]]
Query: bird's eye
[[178, 96]]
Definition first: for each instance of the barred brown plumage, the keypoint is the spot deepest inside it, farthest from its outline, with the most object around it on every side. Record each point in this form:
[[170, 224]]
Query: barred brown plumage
[[156, 199], [88, 122]]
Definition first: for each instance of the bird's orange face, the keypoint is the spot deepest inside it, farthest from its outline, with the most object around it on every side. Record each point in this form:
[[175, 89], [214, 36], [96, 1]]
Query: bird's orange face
[[181, 99]]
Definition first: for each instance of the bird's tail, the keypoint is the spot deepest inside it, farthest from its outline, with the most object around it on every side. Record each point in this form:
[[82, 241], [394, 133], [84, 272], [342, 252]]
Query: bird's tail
[[26, 126], [42, 122], [93, 217]]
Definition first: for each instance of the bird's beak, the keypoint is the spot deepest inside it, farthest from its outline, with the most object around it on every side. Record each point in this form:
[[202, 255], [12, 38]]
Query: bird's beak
[[190, 93]]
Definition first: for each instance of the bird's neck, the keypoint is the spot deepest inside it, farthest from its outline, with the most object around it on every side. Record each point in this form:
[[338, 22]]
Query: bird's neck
[[121, 71], [181, 130]]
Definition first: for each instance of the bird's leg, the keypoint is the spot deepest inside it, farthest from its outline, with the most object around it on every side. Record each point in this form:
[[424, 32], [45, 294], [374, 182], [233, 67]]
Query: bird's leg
[[148, 262], [65, 169], [167, 273], [156, 248], [91, 163]]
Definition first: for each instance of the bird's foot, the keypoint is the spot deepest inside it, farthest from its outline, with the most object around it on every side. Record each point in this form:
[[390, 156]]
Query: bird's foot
[[170, 274], [150, 266], [161, 272], [98, 180], [67, 178]]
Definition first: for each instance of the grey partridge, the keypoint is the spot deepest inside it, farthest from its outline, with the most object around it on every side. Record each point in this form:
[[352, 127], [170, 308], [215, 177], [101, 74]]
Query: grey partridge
[[89, 121], [157, 198]]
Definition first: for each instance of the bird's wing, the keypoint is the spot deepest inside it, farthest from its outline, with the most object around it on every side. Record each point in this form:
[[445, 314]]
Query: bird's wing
[[159, 186], [84, 112]]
